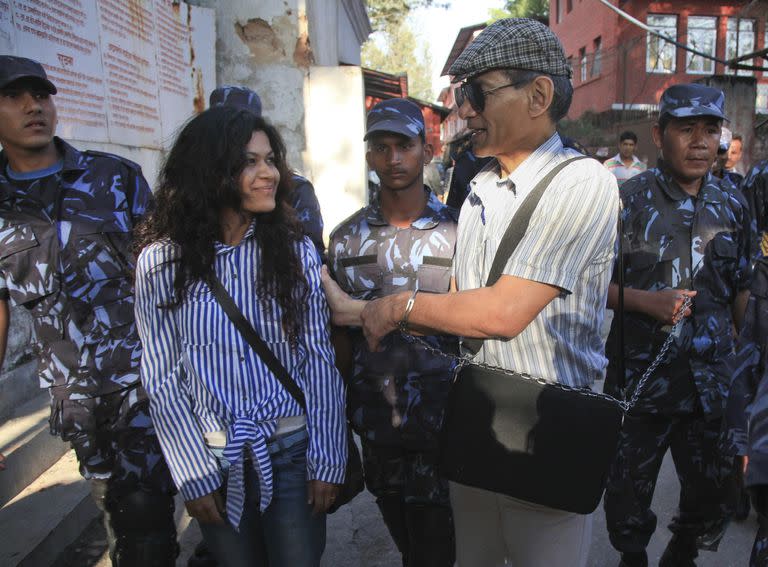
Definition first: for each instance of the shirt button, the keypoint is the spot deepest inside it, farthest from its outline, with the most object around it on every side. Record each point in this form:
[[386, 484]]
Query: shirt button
[[242, 359]]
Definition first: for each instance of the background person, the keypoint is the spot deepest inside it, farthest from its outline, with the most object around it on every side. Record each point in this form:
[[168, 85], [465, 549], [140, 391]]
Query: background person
[[66, 219], [625, 164], [404, 240], [686, 233], [226, 424]]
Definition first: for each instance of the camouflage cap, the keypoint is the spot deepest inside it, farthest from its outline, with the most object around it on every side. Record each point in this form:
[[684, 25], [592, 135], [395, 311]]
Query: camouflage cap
[[512, 43], [398, 115], [16, 68], [238, 97], [692, 99]]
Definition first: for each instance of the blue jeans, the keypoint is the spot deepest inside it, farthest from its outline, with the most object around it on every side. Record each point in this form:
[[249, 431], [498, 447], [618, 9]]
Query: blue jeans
[[287, 534]]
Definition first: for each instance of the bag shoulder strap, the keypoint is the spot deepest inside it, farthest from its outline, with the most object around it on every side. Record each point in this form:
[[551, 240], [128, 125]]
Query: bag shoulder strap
[[255, 341], [514, 234], [520, 221]]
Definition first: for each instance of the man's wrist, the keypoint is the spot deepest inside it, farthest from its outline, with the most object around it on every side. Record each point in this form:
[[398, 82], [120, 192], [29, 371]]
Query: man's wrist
[[397, 310]]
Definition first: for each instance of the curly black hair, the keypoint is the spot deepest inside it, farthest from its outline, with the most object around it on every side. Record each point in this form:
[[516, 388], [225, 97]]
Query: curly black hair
[[199, 179]]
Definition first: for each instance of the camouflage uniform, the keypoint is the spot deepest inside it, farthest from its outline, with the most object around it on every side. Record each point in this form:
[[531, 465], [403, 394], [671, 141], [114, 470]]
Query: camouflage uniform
[[673, 240], [396, 397], [303, 199], [65, 255]]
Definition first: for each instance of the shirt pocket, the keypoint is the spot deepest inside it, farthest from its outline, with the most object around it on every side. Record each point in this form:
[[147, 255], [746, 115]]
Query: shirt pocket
[[199, 316], [654, 264], [434, 274], [363, 275], [28, 267]]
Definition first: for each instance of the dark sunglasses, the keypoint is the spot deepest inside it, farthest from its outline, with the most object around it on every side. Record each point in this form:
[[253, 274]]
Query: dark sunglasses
[[475, 94]]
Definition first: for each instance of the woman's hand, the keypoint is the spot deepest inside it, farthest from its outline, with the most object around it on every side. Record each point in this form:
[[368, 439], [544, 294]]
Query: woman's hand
[[321, 495], [208, 509]]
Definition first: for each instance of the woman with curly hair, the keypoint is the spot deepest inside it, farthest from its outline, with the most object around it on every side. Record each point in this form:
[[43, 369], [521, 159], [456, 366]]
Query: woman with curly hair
[[226, 424]]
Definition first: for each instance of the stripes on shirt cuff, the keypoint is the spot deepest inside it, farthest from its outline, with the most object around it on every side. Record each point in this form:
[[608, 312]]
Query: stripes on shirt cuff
[[326, 473], [192, 489]]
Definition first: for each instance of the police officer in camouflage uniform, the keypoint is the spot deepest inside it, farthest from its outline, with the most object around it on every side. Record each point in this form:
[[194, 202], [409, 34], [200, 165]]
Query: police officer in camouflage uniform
[[685, 233], [303, 198], [401, 242], [65, 254]]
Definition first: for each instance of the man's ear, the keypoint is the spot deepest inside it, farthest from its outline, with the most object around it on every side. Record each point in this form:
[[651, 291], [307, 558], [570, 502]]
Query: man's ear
[[540, 94], [658, 135], [368, 159], [429, 153]]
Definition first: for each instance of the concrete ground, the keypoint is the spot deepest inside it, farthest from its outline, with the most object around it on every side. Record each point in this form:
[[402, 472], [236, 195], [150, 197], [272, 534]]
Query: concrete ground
[[358, 538]]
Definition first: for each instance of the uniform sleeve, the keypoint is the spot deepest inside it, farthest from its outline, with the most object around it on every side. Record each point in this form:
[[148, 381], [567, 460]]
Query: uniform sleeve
[[323, 387], [194, 468], [140, 196], [757, 471], [308, 210], [749, 244], [573, 226]]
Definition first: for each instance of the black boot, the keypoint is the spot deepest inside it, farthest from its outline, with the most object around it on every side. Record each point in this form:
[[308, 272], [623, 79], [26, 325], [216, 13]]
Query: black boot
[[634, 559], [145, 532], [202, 557], [430, 531], [392, 510], [680, 552]]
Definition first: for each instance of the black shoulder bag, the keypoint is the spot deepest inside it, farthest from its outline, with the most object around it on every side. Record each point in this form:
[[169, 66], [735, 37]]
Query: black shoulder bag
[[518, 435], [353, 478]]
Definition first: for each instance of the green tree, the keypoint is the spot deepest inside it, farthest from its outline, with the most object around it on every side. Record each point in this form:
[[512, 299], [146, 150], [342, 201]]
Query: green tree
[[386, 14], [397, 50], [521, 9]]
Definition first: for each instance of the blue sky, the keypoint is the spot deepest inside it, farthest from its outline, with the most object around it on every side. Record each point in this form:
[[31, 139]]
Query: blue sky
[[439, 27]]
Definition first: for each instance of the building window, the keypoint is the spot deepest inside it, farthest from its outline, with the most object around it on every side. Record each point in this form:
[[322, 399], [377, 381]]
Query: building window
[[660, 57], [702, 36], [597, 62], [570, 6], [560, 10], [761, 100], [740, 40], [583, 64]]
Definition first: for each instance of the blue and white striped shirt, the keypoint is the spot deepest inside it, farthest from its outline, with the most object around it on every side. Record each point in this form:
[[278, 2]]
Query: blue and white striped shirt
[[202, 376]]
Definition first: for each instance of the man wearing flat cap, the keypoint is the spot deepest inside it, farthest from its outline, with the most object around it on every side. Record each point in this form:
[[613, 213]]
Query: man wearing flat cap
[[66, 218], [396, 396], [543, 315], [685, 234]]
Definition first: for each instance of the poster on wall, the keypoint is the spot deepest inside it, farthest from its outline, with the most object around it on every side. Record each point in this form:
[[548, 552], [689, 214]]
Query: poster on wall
[[126, 70]]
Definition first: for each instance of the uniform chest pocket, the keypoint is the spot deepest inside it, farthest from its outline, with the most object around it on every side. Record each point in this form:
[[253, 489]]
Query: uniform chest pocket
[[27, 265], [724, 248], [362, 273], [434, 274], [104, 255]]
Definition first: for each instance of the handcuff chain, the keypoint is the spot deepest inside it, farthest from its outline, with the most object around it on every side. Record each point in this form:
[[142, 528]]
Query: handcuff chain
[[466, 360]]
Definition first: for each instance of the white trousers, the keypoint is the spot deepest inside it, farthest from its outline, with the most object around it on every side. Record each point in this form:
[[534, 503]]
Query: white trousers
[[494, 530]]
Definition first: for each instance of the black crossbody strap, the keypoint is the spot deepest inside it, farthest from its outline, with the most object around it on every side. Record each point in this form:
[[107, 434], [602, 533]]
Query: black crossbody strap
[[255, 341], [520, 221], [515, 232]]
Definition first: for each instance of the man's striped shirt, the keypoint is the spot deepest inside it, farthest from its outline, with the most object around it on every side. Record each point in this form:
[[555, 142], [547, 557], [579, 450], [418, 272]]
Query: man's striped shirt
[[569, 244], [201, 375]]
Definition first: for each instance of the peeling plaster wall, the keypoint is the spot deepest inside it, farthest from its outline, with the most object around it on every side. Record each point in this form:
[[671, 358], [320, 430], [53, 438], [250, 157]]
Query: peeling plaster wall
[[264, 46]]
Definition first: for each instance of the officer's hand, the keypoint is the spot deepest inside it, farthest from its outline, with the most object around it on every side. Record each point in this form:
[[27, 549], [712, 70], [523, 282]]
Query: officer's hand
[[2, 462], [321, 495], [208, 509], [381, 316], [665, 304]]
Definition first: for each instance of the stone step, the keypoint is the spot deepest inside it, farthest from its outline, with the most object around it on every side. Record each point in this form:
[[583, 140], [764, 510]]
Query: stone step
[[45, 517], [28, 446]]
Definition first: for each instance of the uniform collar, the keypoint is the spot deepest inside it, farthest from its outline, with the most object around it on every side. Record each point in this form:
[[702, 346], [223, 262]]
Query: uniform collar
[[429, 218], [72, 159], [710, 191]]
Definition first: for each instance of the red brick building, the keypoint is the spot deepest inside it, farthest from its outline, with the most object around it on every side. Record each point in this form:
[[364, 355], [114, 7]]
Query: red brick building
[[619, 66]]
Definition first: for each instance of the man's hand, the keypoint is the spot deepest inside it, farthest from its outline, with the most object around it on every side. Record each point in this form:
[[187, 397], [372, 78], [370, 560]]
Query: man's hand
[[381, 316], [208, 509], [321, 495], [345, 311], [664, 305]]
